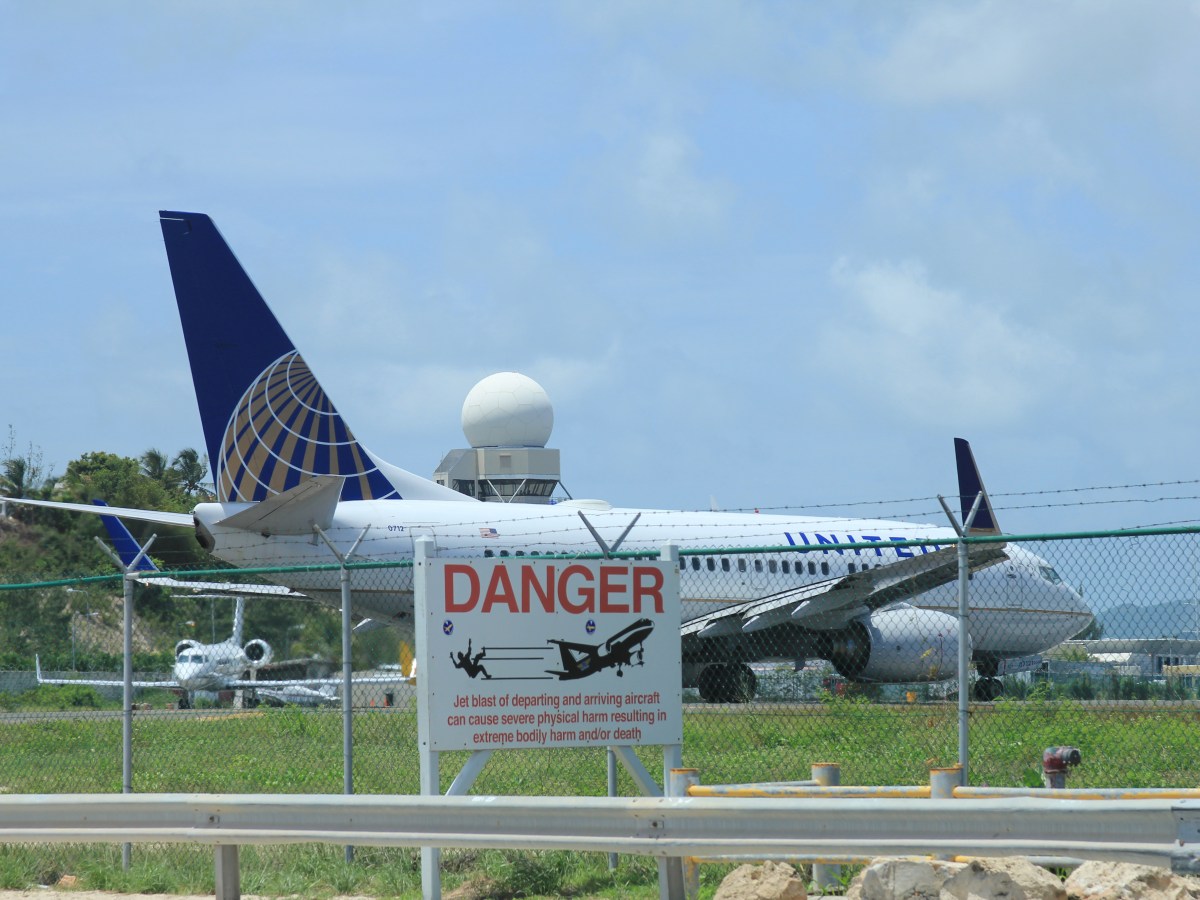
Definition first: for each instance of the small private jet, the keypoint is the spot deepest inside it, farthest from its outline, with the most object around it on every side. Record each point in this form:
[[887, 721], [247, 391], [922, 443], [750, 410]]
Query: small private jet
[[212, 668], [287, 468], [580, 660]]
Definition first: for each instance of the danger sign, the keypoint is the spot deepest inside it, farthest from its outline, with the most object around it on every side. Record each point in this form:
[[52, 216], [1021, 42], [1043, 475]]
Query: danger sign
[[549, 653]]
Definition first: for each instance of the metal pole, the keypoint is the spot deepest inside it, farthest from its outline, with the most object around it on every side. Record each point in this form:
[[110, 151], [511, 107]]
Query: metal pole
[[964, 656], [127, 702], [127, 672], [429, 773], [826, 875], [681, 780], [964, 631], [611, 772], [347, 697], [347, 666]]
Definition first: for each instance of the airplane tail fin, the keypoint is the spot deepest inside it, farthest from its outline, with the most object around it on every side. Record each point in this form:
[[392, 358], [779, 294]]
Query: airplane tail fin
[[239, 619], [408, 660], [123, 542], [268, 424], [970, 486]]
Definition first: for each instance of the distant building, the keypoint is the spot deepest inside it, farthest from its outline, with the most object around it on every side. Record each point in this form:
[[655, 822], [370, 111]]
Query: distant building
[[1140, 657], [507, 419]]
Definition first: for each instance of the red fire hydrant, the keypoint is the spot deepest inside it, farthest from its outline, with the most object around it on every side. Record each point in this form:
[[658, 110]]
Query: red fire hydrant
[[1056, 762]]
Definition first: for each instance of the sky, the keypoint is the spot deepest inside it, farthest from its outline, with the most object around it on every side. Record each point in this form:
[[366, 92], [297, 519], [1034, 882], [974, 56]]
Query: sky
[[759, 255]]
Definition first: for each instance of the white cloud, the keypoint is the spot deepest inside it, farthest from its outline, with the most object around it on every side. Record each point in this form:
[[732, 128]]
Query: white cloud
[[930, 354]]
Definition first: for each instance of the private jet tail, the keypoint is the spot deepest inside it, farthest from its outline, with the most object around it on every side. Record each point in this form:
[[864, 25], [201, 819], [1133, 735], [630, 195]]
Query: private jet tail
[[268, 424], [124, 544]]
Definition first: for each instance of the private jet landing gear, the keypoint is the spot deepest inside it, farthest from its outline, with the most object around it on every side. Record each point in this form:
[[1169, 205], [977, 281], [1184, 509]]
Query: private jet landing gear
[[727, 683], [987, 686], [185, 701]]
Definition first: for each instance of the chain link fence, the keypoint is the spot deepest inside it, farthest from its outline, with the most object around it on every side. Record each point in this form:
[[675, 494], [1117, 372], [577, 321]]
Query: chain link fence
[[1123, 687]]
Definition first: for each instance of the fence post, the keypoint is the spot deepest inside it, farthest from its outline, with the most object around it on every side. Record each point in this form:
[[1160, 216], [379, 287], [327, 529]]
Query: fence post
[[130, 571], [347, 666], [964, 631]]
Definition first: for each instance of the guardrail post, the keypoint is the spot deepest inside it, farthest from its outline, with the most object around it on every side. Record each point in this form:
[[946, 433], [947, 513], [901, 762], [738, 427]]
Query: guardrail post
[[826, 875], [942, 783], [229, 880], [681, 781]]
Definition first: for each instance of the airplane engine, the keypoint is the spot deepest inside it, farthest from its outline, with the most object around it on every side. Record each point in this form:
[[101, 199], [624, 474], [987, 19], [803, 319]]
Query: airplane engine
[[185, 645], [903, 644], [258, 652]]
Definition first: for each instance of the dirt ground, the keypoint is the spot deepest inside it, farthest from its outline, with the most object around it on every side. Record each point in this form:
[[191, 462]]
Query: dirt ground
[[55, 893]]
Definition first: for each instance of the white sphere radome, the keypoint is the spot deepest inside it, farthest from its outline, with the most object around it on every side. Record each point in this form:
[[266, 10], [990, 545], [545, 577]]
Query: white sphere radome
[[507, 409]]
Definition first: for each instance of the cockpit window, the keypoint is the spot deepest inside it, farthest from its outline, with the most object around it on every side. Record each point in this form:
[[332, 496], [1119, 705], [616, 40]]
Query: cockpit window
[[1050, 575]]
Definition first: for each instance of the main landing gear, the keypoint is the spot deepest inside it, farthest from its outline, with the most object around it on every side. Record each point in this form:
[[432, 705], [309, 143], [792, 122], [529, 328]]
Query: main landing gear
[[987, 686], [727, 683]]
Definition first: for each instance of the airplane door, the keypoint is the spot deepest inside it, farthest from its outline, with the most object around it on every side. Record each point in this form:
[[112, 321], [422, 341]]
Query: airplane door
[[1014, 587], [420, 531]]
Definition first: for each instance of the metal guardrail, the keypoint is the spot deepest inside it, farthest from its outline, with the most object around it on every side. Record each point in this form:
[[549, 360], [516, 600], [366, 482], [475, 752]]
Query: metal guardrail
[[1156, 832]]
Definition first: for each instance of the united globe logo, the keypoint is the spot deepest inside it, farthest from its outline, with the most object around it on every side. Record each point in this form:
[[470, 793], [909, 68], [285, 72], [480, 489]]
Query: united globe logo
[[285, 429]]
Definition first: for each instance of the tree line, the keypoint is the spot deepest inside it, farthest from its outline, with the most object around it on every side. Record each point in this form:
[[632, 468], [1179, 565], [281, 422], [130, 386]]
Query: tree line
[[39, 544]]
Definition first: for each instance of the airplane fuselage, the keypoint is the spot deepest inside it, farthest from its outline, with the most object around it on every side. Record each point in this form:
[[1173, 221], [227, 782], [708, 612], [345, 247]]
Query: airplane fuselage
[[210, 667], [1018, 606]]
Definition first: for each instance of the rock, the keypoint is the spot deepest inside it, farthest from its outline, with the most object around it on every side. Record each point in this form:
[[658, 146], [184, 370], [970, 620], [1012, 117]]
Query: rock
[[930, 879], [768, 881], [902, 879], [1009, 878], [1097, 880]]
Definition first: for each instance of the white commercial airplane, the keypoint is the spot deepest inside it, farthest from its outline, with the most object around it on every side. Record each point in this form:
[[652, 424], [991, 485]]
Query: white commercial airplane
[[286, 466]]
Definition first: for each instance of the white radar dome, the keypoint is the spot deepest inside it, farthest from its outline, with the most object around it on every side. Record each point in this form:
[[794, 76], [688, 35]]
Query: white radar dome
[[507, 410]]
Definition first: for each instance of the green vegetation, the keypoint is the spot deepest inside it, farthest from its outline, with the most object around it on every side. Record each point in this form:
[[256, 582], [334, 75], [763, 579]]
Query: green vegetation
[[299, 751]]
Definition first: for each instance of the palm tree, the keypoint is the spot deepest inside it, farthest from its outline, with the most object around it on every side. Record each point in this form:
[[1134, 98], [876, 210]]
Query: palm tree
[[190, 470], [155, 466], [13, 472]]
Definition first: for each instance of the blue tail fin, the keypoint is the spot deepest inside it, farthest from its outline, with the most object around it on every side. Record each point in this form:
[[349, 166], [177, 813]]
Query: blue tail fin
[[127, 548], [970, 486], [268, 425]]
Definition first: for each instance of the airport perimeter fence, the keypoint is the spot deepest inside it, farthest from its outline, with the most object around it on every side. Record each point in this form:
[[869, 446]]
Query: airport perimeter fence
[[1124, 689]]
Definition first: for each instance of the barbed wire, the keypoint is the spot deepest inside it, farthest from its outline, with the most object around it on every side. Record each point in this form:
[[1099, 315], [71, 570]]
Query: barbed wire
[[994, 496]]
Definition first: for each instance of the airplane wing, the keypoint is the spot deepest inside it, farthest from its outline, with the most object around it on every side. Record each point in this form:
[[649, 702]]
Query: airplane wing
[[333, 681], [128, 549], [832, 604], [574, 666], [183, 520], [565, 646], [99, 682]]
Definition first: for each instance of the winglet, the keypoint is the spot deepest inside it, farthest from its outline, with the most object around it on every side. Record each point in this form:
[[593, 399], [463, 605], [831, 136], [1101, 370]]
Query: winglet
[[37, 664], [124, 543], [970, 486]]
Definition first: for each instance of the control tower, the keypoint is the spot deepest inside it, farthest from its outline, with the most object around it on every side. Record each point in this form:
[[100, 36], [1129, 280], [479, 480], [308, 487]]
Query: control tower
[[507, 419]]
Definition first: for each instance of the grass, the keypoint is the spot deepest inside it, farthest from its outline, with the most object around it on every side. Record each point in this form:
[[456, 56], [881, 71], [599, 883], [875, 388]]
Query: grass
[[299, 751]]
